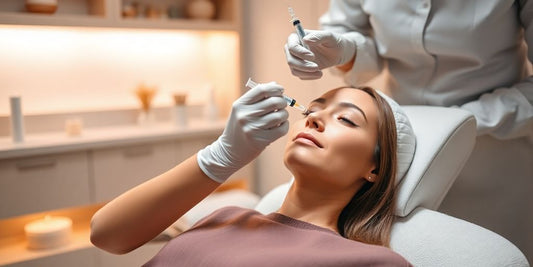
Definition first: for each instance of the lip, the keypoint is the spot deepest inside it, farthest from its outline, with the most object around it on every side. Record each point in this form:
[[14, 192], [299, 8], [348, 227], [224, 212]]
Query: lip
[[309, 137]]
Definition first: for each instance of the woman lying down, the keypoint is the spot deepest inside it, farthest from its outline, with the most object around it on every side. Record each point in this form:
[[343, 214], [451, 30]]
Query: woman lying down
[[338, 211]]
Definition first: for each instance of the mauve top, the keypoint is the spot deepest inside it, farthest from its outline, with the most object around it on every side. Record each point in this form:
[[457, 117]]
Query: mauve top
[[235, 236]]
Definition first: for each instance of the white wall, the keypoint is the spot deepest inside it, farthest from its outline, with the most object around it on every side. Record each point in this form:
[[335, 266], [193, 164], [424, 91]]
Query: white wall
[[266, 30]]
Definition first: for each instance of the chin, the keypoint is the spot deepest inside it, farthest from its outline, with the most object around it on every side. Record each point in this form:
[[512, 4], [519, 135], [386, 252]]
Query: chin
[[300, 162]]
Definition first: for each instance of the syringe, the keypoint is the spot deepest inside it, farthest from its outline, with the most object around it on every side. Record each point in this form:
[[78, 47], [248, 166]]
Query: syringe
[[290, 101], [298, 26]]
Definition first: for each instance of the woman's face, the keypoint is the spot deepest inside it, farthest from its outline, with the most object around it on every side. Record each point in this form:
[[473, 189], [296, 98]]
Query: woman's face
[[335, 141]]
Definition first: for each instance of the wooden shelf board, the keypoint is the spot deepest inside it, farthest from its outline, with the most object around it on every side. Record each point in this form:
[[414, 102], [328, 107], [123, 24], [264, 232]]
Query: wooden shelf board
[[181, 24], [15, 249], [58, 142], [15, 18], [68, 20]]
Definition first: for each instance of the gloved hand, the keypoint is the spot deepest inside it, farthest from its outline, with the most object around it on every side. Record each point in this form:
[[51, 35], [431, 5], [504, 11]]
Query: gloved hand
[[326, 49], [257, 119]]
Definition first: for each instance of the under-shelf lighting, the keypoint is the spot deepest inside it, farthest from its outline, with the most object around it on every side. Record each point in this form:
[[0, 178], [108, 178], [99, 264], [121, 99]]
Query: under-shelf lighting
[[59, 69], [15, 247]]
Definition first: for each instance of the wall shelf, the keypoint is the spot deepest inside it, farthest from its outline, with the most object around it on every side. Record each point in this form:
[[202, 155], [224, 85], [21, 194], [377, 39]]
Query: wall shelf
[[13, 244], [182, 24], [108, 13], [26, 19], [17, 251], [58, 142], [14, 250]]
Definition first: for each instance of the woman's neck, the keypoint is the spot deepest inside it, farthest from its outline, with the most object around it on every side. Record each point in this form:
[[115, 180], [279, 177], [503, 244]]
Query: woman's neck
[[315, 204]]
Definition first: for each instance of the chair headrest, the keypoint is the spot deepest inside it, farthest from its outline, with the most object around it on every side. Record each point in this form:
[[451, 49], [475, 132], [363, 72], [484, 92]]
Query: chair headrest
[[445, 137]]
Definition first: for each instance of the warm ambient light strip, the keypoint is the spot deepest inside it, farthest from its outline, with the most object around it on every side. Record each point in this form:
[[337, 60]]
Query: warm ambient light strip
[[13, 243], [77, 68]]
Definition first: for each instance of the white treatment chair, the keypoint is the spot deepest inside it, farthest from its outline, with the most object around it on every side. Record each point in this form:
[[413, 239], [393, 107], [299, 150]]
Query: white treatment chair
[[445, 138]]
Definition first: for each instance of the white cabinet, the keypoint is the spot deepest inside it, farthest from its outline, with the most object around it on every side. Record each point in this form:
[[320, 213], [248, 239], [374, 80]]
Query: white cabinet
[[35, 184], [118, 169]]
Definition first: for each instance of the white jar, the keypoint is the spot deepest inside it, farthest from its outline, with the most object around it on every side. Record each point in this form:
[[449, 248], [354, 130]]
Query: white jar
[[180, 115], [17, 119], [201, 9]]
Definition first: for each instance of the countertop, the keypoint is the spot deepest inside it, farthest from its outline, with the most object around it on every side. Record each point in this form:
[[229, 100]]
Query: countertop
[[59, 142]]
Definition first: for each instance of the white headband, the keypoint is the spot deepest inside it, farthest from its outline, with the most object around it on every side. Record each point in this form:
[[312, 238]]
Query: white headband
[[405, 137]]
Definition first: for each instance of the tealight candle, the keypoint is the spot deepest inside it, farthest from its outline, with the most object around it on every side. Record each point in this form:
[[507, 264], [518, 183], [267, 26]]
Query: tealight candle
[[50, 232]]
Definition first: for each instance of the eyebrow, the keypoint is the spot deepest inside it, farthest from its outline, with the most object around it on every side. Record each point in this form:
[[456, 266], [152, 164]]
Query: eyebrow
[[342, 104]]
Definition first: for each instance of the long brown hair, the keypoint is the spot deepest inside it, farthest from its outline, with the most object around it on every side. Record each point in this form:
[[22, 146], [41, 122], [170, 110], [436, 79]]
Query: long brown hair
[[369, 215]]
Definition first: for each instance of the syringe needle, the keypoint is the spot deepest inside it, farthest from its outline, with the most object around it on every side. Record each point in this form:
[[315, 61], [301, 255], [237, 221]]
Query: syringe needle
[[291, 13]]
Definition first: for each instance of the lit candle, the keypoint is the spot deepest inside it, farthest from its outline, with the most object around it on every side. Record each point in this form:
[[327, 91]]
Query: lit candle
[[52, 231]]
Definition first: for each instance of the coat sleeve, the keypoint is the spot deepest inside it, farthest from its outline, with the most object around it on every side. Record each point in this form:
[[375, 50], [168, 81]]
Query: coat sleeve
[[507, 113], [348, 18]]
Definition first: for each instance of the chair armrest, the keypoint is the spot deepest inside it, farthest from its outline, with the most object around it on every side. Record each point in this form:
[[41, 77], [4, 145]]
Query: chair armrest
[[431, 238], [272, 201]]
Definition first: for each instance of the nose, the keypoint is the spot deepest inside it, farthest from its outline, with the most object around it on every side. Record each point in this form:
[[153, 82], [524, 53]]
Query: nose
[[314, 121]]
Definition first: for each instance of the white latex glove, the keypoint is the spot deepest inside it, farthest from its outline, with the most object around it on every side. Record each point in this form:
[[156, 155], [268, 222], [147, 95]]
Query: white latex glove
[[326, 49], [257, 119]]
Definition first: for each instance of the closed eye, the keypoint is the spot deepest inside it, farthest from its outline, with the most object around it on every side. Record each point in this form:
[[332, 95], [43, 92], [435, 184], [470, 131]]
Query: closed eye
[[345, 120]]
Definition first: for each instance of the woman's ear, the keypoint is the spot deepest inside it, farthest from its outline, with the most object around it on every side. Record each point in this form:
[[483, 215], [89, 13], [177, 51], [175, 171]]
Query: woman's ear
[[371, 177]]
